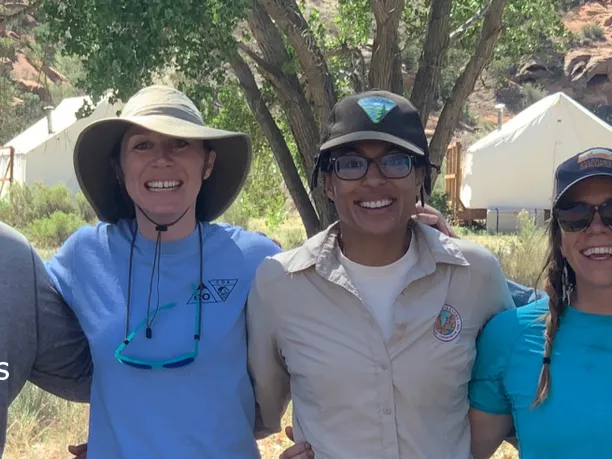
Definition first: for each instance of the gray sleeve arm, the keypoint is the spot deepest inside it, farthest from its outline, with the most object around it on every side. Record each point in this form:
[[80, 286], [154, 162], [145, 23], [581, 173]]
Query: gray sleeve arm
[[63, 363]]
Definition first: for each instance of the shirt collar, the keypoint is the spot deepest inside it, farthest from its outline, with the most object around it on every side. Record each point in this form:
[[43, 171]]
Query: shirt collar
[[433, 248]]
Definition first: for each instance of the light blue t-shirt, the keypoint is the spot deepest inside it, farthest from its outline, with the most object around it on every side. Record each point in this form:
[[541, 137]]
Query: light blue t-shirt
[[574, 421], [203, 410]]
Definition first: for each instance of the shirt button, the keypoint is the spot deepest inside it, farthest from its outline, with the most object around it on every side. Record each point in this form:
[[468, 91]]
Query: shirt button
[[402, 326], [384, 367], [387, 410]]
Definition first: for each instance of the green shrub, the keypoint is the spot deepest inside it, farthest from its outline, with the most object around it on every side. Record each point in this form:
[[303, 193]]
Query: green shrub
[[52, 231], [522, 258], [440, 201], [593, 32], [25, 204], [58, 198], [84, 209], [532, 93], [292, 238], [20, 198]]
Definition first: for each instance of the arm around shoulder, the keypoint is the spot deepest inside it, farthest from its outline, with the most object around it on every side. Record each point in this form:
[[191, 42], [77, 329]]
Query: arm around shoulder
[[63, 363], [491, 411], [266, 364]]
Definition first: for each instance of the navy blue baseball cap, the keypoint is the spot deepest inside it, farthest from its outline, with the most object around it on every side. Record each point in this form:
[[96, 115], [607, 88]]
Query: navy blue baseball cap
[[594, 162]]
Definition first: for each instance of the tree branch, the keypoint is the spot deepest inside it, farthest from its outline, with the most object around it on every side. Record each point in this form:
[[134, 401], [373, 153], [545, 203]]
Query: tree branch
[[291, 95], [427, 80], [456, 35], [357, 68], [268, 70], [318, 77], [489, 35], [27, 9], [279, 147], [386, 64]]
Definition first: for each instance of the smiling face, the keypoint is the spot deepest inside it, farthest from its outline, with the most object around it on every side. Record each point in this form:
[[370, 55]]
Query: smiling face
[[589, 252], [374, 205], [163, 175]]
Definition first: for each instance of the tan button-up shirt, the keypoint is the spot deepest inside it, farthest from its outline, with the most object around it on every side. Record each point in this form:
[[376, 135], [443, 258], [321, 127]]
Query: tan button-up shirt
[[355, 395]]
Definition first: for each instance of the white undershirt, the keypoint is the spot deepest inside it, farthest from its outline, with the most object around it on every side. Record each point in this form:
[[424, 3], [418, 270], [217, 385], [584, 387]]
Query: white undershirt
[[379, 286]]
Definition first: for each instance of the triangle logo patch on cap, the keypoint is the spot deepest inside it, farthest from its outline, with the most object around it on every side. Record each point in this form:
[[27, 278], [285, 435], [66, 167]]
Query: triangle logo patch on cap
[[376, 107]]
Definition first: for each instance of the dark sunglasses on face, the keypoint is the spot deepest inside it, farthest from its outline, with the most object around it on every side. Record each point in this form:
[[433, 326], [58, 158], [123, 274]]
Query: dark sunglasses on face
[[393, 165], [578, 216]]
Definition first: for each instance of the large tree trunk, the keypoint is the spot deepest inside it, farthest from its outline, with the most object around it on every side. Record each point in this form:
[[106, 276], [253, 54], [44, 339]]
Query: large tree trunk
[[291, 96], [491, 30], [319, 82], [386, 63], [437, 40], [281, 151]]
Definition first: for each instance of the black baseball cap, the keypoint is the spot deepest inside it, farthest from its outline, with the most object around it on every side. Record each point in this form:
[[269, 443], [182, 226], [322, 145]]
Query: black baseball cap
[[594, 162], [376, 115]]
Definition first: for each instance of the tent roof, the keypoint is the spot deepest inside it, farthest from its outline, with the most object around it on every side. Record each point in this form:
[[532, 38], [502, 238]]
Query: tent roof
[[531, 116], [62, 117]]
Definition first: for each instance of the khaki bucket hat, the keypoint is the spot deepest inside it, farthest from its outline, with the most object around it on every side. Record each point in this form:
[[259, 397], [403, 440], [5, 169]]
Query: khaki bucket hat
[[167, 111]]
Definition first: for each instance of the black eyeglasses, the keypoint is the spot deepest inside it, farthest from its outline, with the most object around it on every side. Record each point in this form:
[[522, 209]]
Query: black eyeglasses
[[577, 217], [394, 165]]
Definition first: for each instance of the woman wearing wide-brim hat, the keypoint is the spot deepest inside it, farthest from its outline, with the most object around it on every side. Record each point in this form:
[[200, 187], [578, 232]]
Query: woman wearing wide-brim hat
[[160, 289]]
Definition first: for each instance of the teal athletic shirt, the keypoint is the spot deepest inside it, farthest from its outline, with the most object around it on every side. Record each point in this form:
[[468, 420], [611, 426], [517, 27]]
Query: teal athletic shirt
[[203, 410], [574, 421]]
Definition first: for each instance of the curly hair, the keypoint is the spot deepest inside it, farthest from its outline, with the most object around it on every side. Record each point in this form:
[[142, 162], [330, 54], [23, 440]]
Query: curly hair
[[560, 281]]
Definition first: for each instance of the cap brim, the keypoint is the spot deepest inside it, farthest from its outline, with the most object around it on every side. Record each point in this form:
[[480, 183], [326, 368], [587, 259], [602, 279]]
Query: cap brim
[[371, 135], [575, 182], [98, 181]]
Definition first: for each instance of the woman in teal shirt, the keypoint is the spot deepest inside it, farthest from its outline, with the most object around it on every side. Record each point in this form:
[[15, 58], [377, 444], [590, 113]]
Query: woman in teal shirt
[[546, 367]]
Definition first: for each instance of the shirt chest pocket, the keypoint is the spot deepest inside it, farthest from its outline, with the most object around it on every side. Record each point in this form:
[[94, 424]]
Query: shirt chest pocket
[[435, 364], [330, 361]]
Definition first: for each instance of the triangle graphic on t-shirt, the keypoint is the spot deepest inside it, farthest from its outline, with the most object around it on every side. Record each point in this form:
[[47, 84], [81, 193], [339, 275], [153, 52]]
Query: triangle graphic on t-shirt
[[204, 293], [223, 287]]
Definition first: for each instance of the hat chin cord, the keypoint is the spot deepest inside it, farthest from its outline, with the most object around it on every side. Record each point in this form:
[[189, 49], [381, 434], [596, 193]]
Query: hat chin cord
[[160, 228]]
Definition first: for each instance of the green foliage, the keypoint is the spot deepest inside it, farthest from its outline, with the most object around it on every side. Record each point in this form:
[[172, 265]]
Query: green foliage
[[126, 44], [46, 215], [440, 201], [529, 26], [16, 117], [566, 5], [263, 193], [455, 60], [532, 93], [52, 231], [500, 70], [468, 117], [593, 32], [129, 43], [522, 258], [354, 21]]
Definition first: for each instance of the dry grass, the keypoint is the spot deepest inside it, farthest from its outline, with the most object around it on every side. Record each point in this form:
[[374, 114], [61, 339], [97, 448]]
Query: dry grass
[[42, 426]]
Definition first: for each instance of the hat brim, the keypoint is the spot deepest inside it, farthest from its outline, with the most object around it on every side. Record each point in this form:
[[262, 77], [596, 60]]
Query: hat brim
[[100, 186], [372, 135], [575, 182]]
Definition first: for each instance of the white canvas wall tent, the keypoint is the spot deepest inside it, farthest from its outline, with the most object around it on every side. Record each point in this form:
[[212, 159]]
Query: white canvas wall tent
[[513, 168], [43, 152]]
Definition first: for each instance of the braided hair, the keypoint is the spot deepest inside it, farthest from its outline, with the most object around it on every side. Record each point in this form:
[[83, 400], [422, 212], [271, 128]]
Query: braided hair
[[560, 282]]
